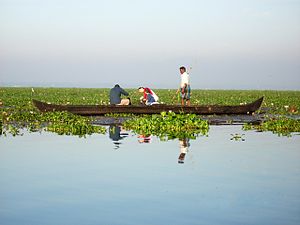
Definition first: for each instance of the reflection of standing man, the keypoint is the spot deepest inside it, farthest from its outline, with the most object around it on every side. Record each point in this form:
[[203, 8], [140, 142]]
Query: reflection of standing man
[[184, 147]]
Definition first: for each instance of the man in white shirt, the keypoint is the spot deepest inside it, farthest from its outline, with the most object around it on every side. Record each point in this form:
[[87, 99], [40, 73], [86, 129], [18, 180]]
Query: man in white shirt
[[185, 88]]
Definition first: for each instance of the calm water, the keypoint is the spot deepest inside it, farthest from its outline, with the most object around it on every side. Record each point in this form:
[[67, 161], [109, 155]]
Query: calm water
[[126, 179]]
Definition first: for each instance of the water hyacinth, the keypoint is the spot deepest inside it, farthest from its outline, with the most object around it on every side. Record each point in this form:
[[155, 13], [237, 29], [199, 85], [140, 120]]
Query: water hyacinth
[[237, 137], [69, 124], [17, 110], [283, 126], [274, 101], [58, 122], [169, 125]]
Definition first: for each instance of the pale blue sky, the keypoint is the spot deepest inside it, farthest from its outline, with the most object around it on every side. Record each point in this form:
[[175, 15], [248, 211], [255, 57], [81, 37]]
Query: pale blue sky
[[251, 44]]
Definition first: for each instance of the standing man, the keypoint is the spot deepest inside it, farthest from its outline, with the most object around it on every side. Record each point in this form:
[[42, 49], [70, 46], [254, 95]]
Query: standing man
[[115, 96], [185, 88]]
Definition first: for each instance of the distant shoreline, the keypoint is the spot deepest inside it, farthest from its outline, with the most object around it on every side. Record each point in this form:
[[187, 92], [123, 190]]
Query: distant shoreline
[[133, 88], [157, 86]]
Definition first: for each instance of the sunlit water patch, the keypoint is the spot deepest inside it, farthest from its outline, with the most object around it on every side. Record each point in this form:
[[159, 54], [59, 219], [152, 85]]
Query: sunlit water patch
[[230, 177]]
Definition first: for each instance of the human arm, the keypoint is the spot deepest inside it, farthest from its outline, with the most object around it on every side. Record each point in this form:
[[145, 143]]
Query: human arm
[[122, 91]]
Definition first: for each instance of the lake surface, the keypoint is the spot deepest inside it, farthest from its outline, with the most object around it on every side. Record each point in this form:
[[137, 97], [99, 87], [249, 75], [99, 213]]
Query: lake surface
[[129, 179]]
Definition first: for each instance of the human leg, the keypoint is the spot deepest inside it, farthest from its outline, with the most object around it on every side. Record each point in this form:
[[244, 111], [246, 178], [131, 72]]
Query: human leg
[[124, 102], [182, 102], [188, 95]]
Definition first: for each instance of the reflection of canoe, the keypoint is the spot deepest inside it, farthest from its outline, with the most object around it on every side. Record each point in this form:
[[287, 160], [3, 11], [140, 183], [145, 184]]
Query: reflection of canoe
[[154, 109]]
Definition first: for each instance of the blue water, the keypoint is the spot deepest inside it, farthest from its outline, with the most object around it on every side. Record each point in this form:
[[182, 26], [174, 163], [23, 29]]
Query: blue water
[[51, 179]]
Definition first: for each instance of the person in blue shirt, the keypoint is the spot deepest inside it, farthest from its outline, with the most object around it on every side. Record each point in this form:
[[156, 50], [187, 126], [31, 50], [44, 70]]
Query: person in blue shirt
[[115, 96]]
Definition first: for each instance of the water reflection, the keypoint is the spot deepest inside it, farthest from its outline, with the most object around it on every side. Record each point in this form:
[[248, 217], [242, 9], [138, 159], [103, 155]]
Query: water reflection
[[144, 138], [184, 145], [39, 183], [117, 133]]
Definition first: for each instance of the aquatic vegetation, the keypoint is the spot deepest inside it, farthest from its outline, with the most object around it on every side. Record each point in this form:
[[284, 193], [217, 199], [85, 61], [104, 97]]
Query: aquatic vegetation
[[283, 126], [169, 125], [69, 124], [58, 122], [117, 115], [17, 111], [275, 102], [237, 137]]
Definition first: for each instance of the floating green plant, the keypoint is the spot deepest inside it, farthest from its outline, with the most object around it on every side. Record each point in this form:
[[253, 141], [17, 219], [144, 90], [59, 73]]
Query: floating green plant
[[58, 122], [17, 111], [169, 125], [117, 115], [69, 124], [281, 125], [237, 137], [275, 102]]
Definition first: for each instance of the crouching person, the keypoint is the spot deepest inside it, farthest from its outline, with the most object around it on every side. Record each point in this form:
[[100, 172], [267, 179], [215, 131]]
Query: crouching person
[[115, 96], [145, 92], [150, 99]]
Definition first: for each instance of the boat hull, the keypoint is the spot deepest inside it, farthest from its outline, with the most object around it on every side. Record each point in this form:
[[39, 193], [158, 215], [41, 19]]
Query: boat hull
[[94, 110]]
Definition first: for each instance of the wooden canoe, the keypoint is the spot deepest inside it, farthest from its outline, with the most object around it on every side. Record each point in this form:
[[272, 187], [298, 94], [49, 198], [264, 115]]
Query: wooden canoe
[[94, 110]]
